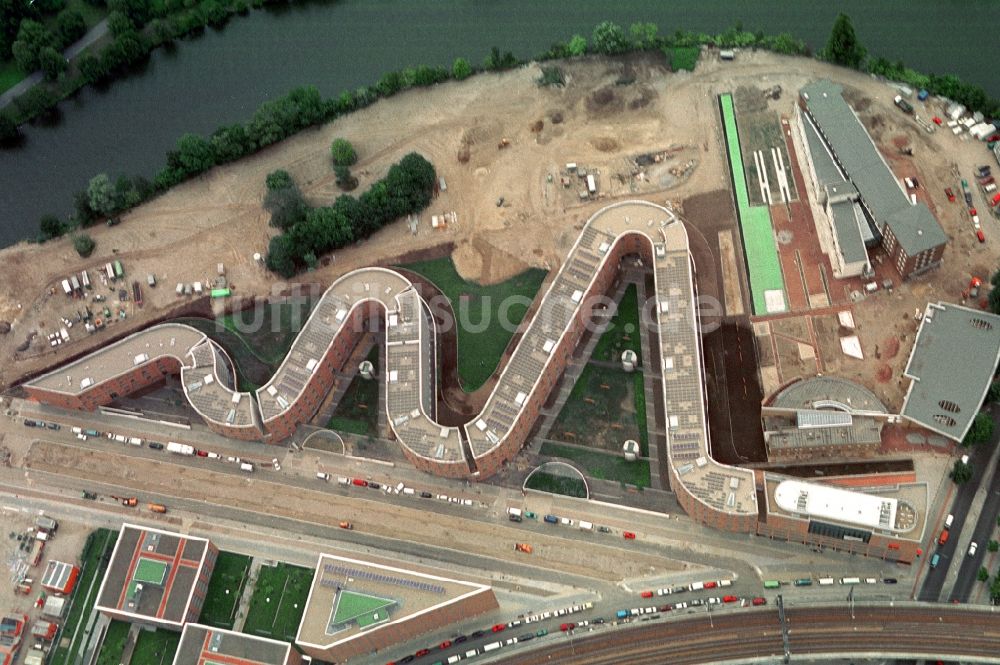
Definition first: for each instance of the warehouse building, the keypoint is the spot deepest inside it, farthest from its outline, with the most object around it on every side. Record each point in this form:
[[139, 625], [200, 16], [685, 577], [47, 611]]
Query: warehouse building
[[357, 607], [910, 235], [204, 645], [156, 578], [950, 368], [60, 577]]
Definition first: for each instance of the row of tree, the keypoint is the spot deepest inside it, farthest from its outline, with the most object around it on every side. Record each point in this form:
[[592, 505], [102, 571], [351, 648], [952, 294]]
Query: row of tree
[[308, 233], [844, 48]]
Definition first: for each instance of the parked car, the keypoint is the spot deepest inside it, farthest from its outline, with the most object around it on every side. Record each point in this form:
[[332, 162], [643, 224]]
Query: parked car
[[155, 445], [445, 644], [950, 194], [889, 580], [628, 535], [567, 626], [972, 548], [360, 482], [500, 627], [730, 599], [647, 594], [759, 601]]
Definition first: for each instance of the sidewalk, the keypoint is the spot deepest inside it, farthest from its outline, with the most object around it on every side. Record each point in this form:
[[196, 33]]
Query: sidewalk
[[71, 52]]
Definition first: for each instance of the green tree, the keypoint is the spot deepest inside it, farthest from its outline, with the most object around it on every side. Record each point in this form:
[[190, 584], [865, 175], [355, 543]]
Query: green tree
[[461, 69], [980, 431], [283, 200], [12, 13], [344, 178], [91, 68], [993, 546], [577, 45], [994, 297], [120, 24], [50, 227], [32, 37], [993, 393], [343, 153], [961, 473], [52, 62], [995, 590], [843, 47], [195, 154], [983, 574], [101, 194], [70, 26], [280, 256], [609, 38], [8, 128], [36, 101], [84, 245], [644, 35]]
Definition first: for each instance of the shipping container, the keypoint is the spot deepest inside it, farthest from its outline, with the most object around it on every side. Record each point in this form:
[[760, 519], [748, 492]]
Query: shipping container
[[119, 270], [67, 289], [220, 293]]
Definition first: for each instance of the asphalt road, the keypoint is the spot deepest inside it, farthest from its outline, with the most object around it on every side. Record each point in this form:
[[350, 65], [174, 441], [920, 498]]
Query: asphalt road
[[965, 495]]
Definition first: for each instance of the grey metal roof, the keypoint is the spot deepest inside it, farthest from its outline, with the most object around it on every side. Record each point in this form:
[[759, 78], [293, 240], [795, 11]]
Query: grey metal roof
[[202, 644], [847, 226], [914, 226], [827, 171], [808, 418], [951, 366]]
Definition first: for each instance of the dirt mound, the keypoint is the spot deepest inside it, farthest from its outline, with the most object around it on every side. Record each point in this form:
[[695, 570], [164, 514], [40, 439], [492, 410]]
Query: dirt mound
[[604, 101], [900, 141], [468, 262], [4, 327], [750, 99], [536, 126], [556, 117], [890, 348], [605, 144], [463, 154], [883, 374]]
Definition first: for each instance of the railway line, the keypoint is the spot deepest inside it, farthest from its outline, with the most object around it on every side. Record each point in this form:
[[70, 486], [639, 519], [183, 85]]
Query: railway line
[[914, 630]]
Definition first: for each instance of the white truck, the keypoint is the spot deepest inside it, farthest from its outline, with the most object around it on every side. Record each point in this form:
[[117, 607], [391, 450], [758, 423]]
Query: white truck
[[180, 448], [246, 466]]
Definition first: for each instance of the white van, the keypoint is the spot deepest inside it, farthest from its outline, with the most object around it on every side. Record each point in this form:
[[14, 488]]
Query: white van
[[408, 491], [323, 476], [565, 521], [135, 441], [850, 580], [492, 646], [454, 659], [343, 481], [246, 466], [586, 526], [825, 581], [696, 586], [948, 520]]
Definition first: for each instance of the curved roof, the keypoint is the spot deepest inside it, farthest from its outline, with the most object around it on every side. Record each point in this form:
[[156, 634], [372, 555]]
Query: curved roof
[[839, 505]]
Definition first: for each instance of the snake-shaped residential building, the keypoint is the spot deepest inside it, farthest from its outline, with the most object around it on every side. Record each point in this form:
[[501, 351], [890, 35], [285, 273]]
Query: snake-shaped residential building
[[723, 496]]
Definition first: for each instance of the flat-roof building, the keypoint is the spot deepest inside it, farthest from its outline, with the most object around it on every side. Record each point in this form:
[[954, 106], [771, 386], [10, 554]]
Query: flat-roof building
[[951, 367], [60, 577], [156, 577], [204, 645], [358, 606], [911, 236]]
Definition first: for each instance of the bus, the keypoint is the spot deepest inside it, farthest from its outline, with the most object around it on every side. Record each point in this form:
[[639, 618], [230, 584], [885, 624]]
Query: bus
[[825, 581], [804, 581], [772, 584], [851, 580]]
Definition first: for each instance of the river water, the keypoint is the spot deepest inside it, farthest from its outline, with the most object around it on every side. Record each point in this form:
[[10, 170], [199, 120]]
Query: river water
[[222, 77]]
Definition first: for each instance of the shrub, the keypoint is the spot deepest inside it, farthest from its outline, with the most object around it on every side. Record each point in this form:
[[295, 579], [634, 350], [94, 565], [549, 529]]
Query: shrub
[[461, 69], [551, 76], [8, 128], [609, 38], [84, 245], [683, 57], [343, 153], [50, 227]]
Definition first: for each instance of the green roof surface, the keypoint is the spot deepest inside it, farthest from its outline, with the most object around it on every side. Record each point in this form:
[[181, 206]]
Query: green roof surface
[[951, 366], [914, 226], [363, 608]]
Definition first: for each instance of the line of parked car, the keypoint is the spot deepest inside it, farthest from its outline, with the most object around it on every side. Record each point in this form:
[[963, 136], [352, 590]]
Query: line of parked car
[[681, 588], [519, 515], [389, 488]]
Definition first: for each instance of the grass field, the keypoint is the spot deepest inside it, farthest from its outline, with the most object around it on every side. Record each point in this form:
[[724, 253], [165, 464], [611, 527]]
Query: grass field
[[684, 58], [565, 485], [269, 330], [279, 598], [763, 265], [481, 336], [600, 464], [229, 575], [84, 595], [114, 643], [623, 330], [10, 75], [601, 410], [357, 412], [155, 647]]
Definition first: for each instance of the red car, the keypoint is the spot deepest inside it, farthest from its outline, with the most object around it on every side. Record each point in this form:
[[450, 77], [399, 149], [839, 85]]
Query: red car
[[730, 599], [973, 212], [567, 626], [422, 653], [647, 594], [202, 453], [360, 482], [628, 535], [981, 235], [937, 120], [760, 601], [445, 644], [500, 627], [711, 585], [950, 194]]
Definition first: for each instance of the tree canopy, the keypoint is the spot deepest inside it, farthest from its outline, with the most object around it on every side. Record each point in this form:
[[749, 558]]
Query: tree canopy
[[343, 152], [843, 47], [609, 38], [461, 69], [101, 194], [980, 431], [284, 200], [84, 245], [961, 473]]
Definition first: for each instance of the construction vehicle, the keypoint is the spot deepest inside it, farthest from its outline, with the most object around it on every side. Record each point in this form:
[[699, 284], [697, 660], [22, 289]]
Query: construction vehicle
[[967, 193], [127, 501], [346, 525], [973, 290], [904, 105], [157, 508], [523, 547], [89, 495]]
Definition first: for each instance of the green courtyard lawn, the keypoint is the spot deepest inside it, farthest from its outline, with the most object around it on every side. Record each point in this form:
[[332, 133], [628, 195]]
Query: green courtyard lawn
[[479, 351], [155, 647], [270, 329], [279, 598], [600, 464], [84, 596], [114, 643], [224, 590], [357, 412], [557, 484], [623, 330]]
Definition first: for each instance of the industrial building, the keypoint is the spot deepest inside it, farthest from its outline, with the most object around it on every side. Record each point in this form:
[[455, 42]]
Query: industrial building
[[156, 578], [204, 645], [357, 607], [60, 577], [907, 231], [950, 368]]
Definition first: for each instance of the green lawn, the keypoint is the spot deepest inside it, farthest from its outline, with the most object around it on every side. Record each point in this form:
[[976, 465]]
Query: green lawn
[[10, 75], [486, 315], [270, 329], [84, 595], [600, 464], [684, 57], [602, 410], [224, 589], [357, 412], [155, 647], [279, 598], [623, 330], [114, 643], [565, 485]]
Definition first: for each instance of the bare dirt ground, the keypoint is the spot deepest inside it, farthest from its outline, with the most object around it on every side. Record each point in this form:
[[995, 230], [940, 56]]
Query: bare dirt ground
[[603, 127]]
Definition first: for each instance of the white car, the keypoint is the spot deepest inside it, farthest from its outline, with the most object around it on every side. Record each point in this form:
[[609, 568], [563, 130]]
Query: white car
[[965, 459], [82, 437], [972, 548]]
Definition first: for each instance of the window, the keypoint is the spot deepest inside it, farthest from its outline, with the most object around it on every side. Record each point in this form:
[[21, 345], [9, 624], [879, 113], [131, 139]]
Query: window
[[949, 406], [942, 419], [981, 324]]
